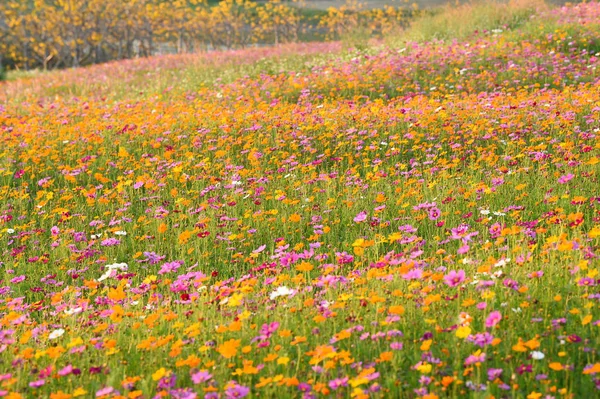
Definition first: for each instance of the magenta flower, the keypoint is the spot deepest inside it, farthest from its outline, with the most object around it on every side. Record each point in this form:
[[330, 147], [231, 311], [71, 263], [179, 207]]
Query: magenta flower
[[397, 346], [37, 383], [586, 281], [110, 242], [105, 391], [481, 339], [43, 181], [565, 178], [201, 376], [434, 213], [236, 391], [472, 359], [361, 217], [463, 249], [494, 373], [493, 319], [338, 383], [65, 371], [18, 279], [495, 230], [413, 274], [183, 393], [454, 278], [170, 267]]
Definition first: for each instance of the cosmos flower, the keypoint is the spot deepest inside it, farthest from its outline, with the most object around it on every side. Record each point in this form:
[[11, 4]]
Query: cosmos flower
[[566, 178], [493, 319], [537, 355], [454, 278], [281, 291], [361, 217], [56, 333]]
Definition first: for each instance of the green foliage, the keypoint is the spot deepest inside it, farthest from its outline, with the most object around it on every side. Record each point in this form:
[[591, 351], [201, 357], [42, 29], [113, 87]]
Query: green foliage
[[357, 38], [459, 22]]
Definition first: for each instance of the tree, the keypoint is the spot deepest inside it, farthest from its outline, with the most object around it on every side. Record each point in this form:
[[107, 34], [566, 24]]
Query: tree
[[278, 22]]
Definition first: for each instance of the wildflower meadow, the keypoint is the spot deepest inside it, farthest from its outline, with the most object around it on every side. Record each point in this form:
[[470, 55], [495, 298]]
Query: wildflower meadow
[[417, 218]]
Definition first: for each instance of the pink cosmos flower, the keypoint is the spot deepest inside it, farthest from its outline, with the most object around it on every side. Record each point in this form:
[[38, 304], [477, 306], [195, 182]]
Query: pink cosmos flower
[[565, 178], [110, 242], [495, 230], [170, 267], [43, 181], [361, 217], [472, 359], [494, 373], [493, 319], [66, 371], [37, 384], [463, 249], [454, 278], [396, 346], [201, 376], [413, 274], [434, 213]]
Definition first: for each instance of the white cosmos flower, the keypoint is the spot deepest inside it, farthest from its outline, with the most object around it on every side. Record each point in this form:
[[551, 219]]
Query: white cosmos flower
[[281, 291], [502, 262], [485, 211], [73, 311], [110, 270], [537, 355], [121, 233], [119, 266], [10, 231], [106, 275], [56, 333]]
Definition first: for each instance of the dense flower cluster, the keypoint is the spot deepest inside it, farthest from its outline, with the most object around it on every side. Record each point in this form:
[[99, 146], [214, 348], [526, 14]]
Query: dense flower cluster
[[422, 222]]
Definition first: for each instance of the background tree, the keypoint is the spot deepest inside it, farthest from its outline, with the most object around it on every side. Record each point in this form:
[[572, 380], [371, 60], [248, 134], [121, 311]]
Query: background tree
[[69, 33]]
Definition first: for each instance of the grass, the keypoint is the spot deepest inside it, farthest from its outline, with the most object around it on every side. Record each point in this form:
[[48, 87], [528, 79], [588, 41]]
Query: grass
[[457, 22]]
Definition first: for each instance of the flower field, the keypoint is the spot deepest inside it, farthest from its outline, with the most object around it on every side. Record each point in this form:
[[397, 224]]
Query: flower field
[[415, 221]]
